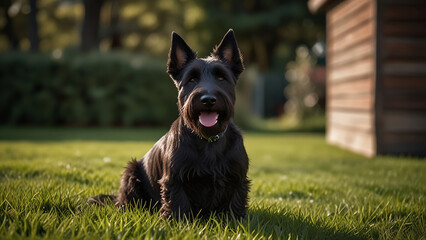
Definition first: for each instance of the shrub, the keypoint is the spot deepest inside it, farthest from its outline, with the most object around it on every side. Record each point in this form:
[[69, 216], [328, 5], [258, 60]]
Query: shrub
[[302, 93], [92, 89]]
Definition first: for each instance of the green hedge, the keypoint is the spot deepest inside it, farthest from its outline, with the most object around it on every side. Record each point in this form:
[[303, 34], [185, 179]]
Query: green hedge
[[105, 89]]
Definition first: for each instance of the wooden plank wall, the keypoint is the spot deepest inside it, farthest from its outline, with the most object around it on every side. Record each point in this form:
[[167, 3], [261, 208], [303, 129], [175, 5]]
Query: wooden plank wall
[[402, 84], [351, 75]]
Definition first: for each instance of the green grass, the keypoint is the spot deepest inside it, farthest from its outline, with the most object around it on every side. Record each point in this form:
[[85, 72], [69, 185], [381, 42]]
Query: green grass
[[302, 188]]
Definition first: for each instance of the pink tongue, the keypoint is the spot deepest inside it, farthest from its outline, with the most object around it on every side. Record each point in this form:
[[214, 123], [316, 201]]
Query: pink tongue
[[208, 119]]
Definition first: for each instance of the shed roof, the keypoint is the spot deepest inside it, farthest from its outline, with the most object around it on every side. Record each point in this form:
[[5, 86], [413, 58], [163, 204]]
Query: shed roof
[[321, 5]]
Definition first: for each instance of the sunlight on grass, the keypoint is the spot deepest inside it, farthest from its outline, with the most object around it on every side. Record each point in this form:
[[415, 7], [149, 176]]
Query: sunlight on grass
[[302, 188]]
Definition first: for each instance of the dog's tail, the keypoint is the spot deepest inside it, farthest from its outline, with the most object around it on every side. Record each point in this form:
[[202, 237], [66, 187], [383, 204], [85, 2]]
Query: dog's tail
[[102, 199]]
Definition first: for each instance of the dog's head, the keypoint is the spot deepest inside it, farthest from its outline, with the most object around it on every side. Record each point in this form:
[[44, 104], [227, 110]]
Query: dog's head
[[206, 86]]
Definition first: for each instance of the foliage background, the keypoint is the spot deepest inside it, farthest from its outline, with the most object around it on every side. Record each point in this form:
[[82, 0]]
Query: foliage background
[[95, 89], [102, 62]]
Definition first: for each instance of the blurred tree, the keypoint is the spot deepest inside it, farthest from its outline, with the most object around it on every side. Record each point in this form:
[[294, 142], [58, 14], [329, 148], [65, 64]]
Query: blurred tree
[[33, 26], [263, 28], [90, 26], [145, 26], [267, 30]]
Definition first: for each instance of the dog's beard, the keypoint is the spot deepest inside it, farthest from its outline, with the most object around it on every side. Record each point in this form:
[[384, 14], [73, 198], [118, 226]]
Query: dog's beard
[[203, 121]]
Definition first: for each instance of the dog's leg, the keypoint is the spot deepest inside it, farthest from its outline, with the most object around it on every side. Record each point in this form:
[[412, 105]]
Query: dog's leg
[[174, 201], [239, 200]]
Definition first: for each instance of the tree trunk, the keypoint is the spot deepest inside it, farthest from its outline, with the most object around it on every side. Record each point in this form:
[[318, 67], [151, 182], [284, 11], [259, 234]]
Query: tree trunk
[[115, 36], [90, 28], [33, 26], [8, 28]]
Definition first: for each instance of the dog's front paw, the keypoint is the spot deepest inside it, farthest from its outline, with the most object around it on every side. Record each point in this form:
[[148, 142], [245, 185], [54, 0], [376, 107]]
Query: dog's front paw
[[165, 212], [101, 199]]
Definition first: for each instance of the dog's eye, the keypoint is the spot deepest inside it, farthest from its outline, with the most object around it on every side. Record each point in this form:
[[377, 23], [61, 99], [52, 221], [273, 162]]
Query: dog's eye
[[194, 79], [220, 78]]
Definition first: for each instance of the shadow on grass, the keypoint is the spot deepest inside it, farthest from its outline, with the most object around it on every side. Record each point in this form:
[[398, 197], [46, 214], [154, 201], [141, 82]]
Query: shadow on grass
[[262, 224], [80, 134], [281, 226]]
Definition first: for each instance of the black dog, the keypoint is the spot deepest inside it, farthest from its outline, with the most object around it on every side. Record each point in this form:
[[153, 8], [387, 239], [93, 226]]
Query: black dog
[[200, 165]]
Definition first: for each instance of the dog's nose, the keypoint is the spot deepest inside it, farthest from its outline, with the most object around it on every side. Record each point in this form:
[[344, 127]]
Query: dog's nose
[[208, 100]]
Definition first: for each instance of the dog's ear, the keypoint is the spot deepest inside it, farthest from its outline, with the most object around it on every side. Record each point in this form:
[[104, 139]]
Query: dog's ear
[[180, 54], [228, 51]]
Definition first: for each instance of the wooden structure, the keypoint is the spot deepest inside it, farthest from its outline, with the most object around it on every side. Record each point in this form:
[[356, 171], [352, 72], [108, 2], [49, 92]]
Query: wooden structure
[[376, 75]]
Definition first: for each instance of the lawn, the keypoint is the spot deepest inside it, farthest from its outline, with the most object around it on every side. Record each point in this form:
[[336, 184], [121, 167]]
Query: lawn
[[302, 188]]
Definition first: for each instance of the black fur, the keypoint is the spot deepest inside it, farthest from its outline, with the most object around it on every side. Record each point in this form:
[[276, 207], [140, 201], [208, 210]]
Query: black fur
[[186, 173]]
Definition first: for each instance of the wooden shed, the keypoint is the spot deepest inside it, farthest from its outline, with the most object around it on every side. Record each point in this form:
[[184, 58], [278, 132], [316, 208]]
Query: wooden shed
[[376, 75]]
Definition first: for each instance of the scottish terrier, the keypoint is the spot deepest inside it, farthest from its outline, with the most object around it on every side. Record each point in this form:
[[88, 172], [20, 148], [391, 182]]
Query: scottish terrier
[[200, 165]]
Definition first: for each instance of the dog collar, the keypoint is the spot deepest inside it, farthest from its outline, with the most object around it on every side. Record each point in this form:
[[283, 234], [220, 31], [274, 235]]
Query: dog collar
[[215, 138]]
